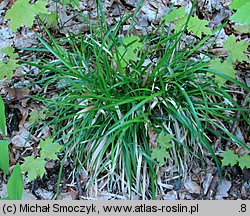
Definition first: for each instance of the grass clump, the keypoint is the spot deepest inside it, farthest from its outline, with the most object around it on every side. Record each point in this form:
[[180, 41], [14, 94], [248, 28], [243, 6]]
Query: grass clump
[[121, 97]]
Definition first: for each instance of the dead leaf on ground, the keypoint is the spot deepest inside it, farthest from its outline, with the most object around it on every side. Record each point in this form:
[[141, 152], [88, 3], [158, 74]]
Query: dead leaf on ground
[[27, 195], [19, 95], [192, 186], [21, 139], [207, 182], [44, 194], [222, 189], [171, 195]]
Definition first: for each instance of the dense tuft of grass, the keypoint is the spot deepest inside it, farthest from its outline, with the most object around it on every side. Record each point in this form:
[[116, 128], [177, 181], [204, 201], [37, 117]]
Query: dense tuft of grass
[[110, 107]]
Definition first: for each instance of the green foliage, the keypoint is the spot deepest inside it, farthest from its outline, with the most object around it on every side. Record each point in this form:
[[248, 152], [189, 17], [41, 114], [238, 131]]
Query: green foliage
[[133, 42], [161, 152], [39, 7], [72, 2], [129, 50], [9, 63], [230, 158], [9, 52], [6, 69], [2, 117], [242, 13], [244, 161], [15, 184], [224, 67], [195, 25], [198, 26], [50, 18], [4, 159], [242, 28], [237, 4], [37, 115], [24, 13], [20, 14], [178, 16], [179, 24], [105, 113], [236, 49], [36, 166], [49, 149], [165, 140], [174, 14]]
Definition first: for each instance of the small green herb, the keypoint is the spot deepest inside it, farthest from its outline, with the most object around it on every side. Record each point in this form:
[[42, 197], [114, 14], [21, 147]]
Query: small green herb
[[129, 50], [37, 115], [236, 49], [230, 158], [9, 52], [244, 161], [174, 14], [51, 18], [49, 149], [9, 63], [161, 153], [36, 166], [224, 67], [242, 13], [23, 13], [198, 26]]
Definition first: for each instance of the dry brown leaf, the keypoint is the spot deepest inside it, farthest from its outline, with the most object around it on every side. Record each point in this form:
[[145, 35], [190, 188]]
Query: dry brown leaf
[[222, 189], [192, 186], [152, 137], [16, 94]]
